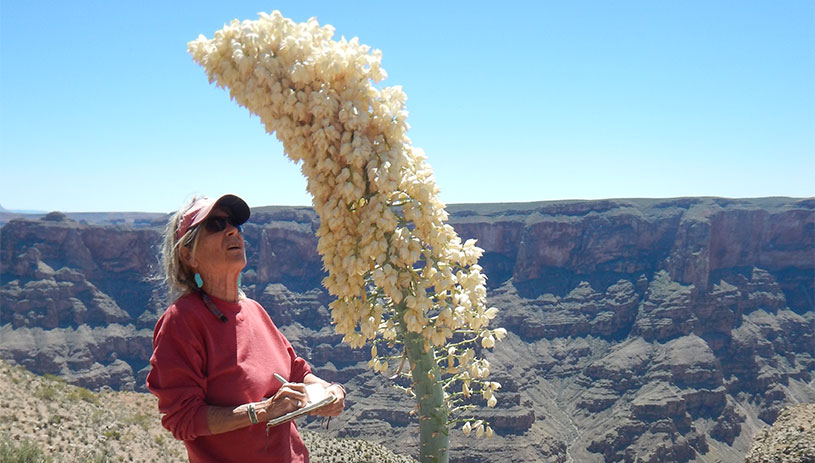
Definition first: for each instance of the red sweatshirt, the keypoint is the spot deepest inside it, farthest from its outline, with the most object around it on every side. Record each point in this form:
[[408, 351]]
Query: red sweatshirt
[[198, 360]]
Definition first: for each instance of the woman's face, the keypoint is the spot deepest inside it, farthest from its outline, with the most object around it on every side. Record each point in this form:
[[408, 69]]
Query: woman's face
[[219, 253]]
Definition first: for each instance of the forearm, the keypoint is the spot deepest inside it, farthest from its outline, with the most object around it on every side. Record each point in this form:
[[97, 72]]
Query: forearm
[[225, 419]]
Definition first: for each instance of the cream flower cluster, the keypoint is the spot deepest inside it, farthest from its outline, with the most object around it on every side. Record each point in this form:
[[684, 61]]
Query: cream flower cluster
[[394, 264]]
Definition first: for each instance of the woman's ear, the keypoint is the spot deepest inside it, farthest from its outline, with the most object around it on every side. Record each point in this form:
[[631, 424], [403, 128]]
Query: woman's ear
[[186, 256]]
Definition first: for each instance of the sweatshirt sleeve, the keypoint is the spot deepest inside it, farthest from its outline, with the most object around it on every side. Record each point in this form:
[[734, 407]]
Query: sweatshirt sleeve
[[299, 366], [177, 377]]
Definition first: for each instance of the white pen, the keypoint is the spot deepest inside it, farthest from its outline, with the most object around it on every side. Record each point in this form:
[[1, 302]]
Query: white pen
[[283, 381]]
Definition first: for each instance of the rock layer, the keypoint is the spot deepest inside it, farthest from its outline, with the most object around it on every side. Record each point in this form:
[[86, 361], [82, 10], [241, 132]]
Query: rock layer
[[639, 330]]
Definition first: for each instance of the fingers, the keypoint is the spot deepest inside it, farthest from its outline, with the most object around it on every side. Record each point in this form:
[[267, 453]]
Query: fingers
[[334, 408], [337, 407], [337, 390], [299, 387], [290, 397]]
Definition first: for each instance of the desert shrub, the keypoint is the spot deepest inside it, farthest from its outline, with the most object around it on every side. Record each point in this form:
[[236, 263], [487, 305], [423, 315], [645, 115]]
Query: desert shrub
[[113, 434], [23, 451], [142, 420], [80, 393], [46, 392], [52, 378]]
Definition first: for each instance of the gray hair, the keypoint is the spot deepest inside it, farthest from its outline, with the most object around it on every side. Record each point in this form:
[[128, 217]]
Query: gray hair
[[178, 276]]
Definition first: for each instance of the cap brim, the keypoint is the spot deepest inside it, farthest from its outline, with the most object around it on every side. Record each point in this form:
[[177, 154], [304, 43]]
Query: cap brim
[[237, 209]]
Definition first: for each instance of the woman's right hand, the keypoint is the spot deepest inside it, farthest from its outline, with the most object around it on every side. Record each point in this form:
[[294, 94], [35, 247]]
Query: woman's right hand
[[290, 397]]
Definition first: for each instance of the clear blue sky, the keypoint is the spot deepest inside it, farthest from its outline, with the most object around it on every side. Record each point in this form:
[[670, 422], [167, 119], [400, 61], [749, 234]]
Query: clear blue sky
[[103, 110]]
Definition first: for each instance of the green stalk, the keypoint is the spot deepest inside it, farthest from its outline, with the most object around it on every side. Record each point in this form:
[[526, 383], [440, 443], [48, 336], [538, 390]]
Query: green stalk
[[433, 413]]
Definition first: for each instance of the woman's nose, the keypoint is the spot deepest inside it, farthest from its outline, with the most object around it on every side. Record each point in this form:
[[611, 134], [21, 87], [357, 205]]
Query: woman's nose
[[233, 229]]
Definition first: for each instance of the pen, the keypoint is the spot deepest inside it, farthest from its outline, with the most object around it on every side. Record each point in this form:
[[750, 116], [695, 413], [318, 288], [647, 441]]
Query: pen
[[280, 378]]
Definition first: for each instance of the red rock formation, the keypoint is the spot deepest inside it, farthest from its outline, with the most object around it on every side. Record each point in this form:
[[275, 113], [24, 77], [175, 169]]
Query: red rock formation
[[639, 330]]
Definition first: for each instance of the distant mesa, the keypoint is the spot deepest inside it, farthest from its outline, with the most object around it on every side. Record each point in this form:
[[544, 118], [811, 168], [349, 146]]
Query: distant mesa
[[3, 210], [55, 216]]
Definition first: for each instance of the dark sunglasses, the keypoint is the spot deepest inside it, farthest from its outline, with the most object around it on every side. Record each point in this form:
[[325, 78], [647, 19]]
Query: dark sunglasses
[[217, 224]]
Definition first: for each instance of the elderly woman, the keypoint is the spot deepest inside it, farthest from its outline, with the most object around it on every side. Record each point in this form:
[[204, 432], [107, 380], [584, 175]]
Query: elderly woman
[[216, 353]]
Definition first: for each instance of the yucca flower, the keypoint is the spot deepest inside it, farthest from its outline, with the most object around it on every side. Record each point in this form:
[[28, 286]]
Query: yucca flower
[[399, 272]]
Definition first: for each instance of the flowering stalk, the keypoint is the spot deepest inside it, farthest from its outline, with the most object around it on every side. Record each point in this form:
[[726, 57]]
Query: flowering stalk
[[433, 411], [400, 274]]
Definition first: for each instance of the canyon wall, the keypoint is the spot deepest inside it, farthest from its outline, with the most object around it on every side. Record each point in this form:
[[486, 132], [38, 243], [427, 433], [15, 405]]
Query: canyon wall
[[649, 330]]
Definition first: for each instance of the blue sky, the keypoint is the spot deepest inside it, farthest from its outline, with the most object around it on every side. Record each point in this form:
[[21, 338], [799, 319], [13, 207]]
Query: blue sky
[[103, 110]]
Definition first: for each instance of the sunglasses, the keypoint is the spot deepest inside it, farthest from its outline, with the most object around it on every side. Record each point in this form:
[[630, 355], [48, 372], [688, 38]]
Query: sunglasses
[[217, 224]]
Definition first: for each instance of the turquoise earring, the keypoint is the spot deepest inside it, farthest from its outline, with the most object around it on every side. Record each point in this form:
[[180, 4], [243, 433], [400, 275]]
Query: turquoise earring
[[240, 278], [198, 280]]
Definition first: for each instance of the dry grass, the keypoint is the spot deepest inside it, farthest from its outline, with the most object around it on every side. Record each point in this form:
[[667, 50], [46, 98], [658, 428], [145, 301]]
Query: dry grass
[[72, 424], [44, 420]]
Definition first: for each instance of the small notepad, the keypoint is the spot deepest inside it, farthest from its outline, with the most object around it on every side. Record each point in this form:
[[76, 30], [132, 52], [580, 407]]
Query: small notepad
[[317, 398]]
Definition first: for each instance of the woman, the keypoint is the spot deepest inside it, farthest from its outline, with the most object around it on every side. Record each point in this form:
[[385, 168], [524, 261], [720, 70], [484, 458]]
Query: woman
[[216, 352]]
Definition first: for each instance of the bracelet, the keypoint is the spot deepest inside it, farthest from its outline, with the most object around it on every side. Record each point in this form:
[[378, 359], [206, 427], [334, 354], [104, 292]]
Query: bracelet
[[253, 417]]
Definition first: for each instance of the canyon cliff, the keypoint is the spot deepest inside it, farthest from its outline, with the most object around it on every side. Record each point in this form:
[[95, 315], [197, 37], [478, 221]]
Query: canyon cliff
[[639, 330]]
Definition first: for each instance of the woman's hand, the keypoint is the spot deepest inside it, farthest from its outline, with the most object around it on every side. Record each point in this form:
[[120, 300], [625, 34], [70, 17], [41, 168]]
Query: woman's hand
[[335, 408], [288, 398]]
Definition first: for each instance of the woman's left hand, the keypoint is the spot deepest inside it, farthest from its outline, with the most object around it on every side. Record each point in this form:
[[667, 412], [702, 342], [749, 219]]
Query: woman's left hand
[[335, 408]]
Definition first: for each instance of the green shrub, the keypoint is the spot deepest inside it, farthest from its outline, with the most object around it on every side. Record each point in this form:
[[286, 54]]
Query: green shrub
[[101, 455], [46, 392], [53, 378], [23, 451], [80, 393], [113, 434]]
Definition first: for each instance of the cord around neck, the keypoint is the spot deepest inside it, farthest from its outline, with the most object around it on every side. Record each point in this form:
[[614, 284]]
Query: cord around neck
[[212, 307]]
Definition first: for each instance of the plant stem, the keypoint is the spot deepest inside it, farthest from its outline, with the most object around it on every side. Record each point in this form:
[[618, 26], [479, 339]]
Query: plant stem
[[433, 413]]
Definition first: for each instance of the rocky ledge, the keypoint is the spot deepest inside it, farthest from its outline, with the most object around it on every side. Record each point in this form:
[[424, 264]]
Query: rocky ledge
[[790, 440], [639, 330]]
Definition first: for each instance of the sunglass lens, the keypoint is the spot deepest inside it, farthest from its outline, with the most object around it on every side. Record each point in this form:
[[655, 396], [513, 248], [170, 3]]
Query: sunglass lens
[[215, 224]]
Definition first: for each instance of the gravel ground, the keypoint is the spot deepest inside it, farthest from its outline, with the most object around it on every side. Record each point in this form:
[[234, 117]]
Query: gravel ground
[[790, 440], [64, 423]]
